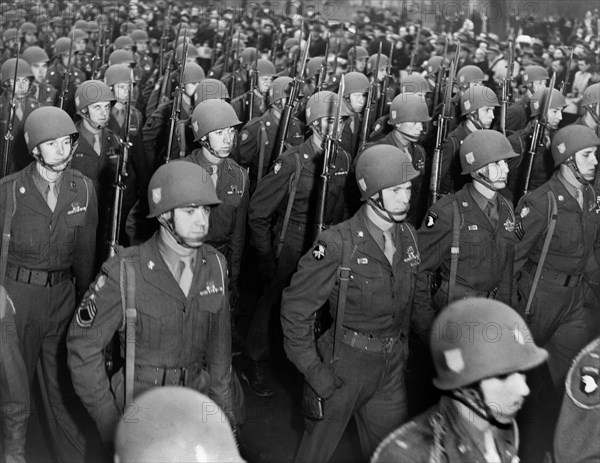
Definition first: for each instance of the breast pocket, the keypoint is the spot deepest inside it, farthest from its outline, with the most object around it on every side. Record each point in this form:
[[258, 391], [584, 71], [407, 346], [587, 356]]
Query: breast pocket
[[157, 329], [368, 284]]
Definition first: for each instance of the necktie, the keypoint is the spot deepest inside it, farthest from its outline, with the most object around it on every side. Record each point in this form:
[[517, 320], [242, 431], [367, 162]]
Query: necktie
[[491, 452], [213, 174], [491, 210], [97, 147], [388, 246], [51, 197], [19, 110], [120, 116], [579, 197], [36, 87], [187, 274]]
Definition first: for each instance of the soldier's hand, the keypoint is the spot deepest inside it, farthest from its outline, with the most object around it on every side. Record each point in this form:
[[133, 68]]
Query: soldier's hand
[[322, 379]]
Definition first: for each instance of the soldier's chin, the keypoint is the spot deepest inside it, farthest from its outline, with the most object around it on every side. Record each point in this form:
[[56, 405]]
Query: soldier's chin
[[400, 215]]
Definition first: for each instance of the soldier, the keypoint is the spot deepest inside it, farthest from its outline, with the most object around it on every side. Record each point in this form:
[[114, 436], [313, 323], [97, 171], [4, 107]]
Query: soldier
[[57, 74], [178, 285], [357, 367], [481, 375], [196, 431], [142, 58], [477, 107], [256, 148], [52, 232], [44, 93], [357, 58], [9, 39], [468, 238], [591, 104], [408, 113], [24, 105], [211, 89], [579, 420], [29, 31], [265, 73], [558, 229], [96, 155], [355, 98], [518, 114], [290, 191]]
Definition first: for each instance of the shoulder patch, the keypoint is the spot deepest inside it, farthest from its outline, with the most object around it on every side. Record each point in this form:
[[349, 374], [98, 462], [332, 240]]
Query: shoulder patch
[[320, 251], [245, 135], [583, 380], [277, 167], [430, 219], [524, 212]]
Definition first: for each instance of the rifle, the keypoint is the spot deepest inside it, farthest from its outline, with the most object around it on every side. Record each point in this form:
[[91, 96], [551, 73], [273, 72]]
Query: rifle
[[64, 92], [291, 101], [331, 142], [253, 85], [178, 94], [323, 71], [226, 50], [506, 85], [539, 129], [273, 51], [364, 130], [236, 63], [565, 82], [120, 175], [413, 53], [439, 78], [444, 116], [382, 104], [165, 95], [98, 55], [164, 41], [9, 136]]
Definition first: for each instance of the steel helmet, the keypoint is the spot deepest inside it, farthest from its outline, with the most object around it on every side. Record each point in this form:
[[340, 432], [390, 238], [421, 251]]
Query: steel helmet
[[265, 68], [361, 53], [10, 34], [322, 104], [291, 42], [179, 184], [434, 63], [211, 115], [477, 97], [195, 427], [384, 62], [280, 88], [591, 95], [123, 42], [557, 100], [28, 28], [192, 52], [313, 66], [90, 92], [571, 139], [469, 74], [140, 24], [62, 46], [533, 73], [355, 82], [193, 73], [80, 24], [210, 89], [47, 123], [121, 57], [78, 34], [139, 36], [382, 166], [92, 26], [414, 83], [408, 107], [478, 338], [7, 71], [118, 74], [235, 42], [248, 55], [34, 55], [483, 147]]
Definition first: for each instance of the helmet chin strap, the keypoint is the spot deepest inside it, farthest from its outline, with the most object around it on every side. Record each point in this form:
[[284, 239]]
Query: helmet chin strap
[[572, 164], [484, 180], [472, 397], [379, 208], [54, 167], [169, 225], [474, 118]]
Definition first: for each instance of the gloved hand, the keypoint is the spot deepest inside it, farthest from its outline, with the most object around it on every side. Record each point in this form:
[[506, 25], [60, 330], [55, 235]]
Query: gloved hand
[[322, 379]]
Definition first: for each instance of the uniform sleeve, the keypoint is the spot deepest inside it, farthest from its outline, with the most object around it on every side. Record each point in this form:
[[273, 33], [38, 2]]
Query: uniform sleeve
[[84, 250], [218, 355], [247, 146], [98, 317], [267, 197], [532, 222], [435, 241], [310, 287]]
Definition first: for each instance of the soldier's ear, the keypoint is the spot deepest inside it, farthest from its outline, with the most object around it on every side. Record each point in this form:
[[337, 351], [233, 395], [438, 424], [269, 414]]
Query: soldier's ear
[[35, 151]]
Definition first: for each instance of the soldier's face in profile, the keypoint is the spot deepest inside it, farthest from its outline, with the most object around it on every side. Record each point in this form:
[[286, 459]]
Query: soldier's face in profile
[[39, 71], [497, 173], [587, 161], [412, 129], [486, 116], [121, 91], [396, 200], [554, 117], [264, 84], [505, 395], [192, 223], [361, 64], [221, 141], [357, 101]]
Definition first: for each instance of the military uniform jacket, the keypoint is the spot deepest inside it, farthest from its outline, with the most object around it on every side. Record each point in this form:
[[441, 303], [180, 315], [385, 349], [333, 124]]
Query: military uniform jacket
[[227, 222], [440, 435], [45, 240], [271, 195], [260, 133], [241, 105], [379, 295], [574, 233], [517, 115], [485, 254], [172, 331], [450, 172], [20, 156], [56, 75], [45, 94]]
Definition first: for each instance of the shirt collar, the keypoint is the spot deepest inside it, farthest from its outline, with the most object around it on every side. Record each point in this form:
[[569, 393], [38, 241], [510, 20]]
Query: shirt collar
[[571, 188], [480, 200], [171, 256]]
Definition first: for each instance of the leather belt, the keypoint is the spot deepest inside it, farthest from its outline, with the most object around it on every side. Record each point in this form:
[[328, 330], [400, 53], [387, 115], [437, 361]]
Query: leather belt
[[37, 277], [167, 376], [462, 291], [368, 342], [554, 277]]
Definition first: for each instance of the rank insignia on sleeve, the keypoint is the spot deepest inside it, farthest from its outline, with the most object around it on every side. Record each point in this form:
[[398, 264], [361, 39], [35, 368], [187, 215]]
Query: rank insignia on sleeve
[[431, 218], [277, 167], [86, 312], [524, 212], [319, 251], [519, 230]]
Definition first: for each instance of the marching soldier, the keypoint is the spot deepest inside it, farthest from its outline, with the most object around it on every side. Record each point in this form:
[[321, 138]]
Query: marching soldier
[[290, 191], [590, 101], [468, 238], [52, 232], [256, 146], [241, 104], [355, 98], [481, 375], [57, 73], [178, 287], [44, 93], [518, 114], [357, 367]]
